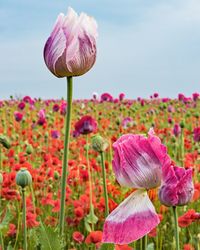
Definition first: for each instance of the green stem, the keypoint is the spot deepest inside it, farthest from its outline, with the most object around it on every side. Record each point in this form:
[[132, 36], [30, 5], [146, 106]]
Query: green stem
[[18, 226], [182, 148], [176, 227], [24, 219], [104, 184], [2, 242], [66, 152], [90, 180], [144, 242]]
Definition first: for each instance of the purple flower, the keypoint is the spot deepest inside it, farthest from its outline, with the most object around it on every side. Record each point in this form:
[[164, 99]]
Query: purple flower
[[176, 130], [196, 133], [195, 96], [138, 163], [71, 48], [177, 187], [56, 107], [86, 125], [42, 117], [55, 134], [106, 97]]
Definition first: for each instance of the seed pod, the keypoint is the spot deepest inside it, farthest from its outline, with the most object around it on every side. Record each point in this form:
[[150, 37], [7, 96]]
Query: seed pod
[[99, 144], [23, 178], [5, 141]]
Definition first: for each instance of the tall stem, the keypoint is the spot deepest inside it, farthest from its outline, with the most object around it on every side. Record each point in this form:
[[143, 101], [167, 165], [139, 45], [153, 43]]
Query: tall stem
[[24, 219], [90, 181], [66, 152], [104, 184], [176, 233], [144, 242]]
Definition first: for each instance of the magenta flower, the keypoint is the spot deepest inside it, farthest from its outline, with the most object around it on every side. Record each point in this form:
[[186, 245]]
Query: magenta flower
[[106, 97], [195, 96], [127, 122], [121, 96], [177, 187], [196, 133], [18, 116], [55, 134], [71, 48], [21, 105], [86, 125], [42, 117], [137, 163], [176, 130]]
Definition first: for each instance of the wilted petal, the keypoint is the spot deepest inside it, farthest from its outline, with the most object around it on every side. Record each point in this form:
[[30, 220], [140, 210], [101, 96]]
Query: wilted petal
[[177, 187], [131, 220]]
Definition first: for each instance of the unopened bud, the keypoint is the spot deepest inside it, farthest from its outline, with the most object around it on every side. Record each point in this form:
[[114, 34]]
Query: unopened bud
[[99, 144], [5, 141]]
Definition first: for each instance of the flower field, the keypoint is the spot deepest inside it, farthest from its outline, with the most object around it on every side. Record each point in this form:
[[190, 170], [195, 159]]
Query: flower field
[[32, 137]]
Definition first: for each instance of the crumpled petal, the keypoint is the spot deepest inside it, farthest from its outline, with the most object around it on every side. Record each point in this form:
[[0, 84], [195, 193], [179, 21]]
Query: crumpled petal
[[138, 160], [131, 220], [177, 187]]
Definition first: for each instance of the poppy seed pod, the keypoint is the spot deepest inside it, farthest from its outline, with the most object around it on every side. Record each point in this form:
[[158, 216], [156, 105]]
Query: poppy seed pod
[[23, 178], [71, 48], [99, 144], [5, 141]]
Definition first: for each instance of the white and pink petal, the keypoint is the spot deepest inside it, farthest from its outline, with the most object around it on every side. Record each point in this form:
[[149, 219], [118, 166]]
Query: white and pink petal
[[131, 220]]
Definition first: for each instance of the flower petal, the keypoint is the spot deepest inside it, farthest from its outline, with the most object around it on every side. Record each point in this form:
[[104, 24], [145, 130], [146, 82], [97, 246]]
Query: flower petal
[[131, 220]]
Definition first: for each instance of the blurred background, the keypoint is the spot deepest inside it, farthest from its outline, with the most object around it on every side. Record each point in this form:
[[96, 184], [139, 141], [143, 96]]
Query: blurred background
[[143, 47]]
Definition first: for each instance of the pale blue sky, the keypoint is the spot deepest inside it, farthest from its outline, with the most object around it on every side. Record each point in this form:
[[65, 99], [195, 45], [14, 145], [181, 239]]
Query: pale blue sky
[[143, 47]]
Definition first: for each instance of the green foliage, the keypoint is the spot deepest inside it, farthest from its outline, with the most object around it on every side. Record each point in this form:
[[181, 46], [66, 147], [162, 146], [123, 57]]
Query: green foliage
[[107, 246], [6, 220], [48, 238]]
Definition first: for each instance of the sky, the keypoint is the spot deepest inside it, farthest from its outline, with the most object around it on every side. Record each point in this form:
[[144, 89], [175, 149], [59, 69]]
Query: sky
[[143, 47]]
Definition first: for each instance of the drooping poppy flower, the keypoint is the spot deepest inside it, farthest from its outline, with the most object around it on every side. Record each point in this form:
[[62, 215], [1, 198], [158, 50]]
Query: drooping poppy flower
[[71, 48], [137, 163], [86, 125], [176, 130], [177, 187]]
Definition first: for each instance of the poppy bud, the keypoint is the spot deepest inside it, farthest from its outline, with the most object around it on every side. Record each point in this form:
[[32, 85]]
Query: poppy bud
[[4, 141], [99, 144], [23, 178], [71, 48], [29, 149]]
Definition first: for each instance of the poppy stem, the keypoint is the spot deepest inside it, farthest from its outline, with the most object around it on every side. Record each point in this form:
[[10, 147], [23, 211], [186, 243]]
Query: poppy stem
[[24, 219], [104, 184], [176, 233], [66, 152], [90, 181]]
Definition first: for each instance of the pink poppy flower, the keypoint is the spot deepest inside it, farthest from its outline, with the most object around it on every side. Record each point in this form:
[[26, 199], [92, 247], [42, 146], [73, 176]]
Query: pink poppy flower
[[177, 188], [137, 163]]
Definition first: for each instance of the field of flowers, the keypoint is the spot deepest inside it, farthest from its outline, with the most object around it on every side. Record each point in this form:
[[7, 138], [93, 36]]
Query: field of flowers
[[32, 137]]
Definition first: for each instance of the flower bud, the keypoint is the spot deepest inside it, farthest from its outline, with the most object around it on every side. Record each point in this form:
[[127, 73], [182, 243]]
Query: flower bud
[[5, 141], [29, 149], [23, 178], [99, 144]]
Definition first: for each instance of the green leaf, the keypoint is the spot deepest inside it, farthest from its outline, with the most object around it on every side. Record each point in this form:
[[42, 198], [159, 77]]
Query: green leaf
[[6, 220], [48, 238], [107, 246]]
